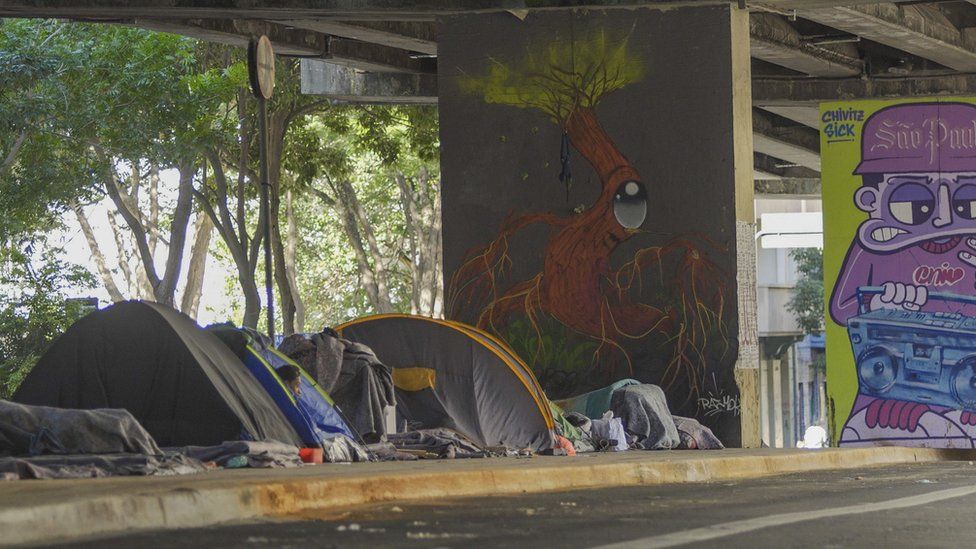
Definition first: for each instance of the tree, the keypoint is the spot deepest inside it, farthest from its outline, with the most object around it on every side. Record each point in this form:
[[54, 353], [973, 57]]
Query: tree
[[126, 104], [376, 175], [33, 309], [807, 303], [38, 175]]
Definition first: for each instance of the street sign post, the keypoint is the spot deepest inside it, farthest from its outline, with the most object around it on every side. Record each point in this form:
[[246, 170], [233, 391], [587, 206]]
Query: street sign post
[[261, 69]]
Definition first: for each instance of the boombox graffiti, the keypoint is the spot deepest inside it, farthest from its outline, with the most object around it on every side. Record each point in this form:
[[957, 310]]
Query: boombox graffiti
[[905, 289], [917, 356]]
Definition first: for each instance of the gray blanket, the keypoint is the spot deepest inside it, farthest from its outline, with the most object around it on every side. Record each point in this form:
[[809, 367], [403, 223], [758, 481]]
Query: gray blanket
[[93, 466], [360, 384], [244, 453], [318, 354], [364, 389], [695, 436], [644, 411], [36, 430]]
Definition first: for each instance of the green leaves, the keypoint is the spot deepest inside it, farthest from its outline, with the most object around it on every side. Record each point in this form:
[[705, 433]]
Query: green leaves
[[33, 309], [807, 303], [557, 79]]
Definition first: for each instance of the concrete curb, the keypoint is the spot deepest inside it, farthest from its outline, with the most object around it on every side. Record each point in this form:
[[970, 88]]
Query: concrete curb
[[211, 503]]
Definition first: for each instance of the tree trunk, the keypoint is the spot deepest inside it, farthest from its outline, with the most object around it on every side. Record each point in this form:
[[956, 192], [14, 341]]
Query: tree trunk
[[165, 291], [138, 287], [202, 231], [8, 162], [108, 281], [277, 126], [380, 273], [291, 270], [153, 207], [233, 228]]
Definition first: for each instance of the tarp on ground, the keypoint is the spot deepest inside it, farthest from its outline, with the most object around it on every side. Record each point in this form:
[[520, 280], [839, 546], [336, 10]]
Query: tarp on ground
[[452, 375], [595, 403], [36, 430], [179, 381]]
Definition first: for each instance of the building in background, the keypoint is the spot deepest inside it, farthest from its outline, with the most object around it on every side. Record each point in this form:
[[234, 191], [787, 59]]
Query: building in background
[[792, 379]]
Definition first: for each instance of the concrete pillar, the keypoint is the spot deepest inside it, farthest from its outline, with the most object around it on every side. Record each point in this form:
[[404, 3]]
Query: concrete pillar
[[747, 365], [765, 398], [778, 417], [609, 224]]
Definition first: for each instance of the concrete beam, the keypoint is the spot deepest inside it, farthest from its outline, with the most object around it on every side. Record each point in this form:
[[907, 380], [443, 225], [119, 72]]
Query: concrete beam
[[349, 10], [410, 36], [789, 188], [767, 167], [808, 116], [795, 144], [914, 29], [775, 41], [375, 58], [809, 92], [237, 32], [288, 40], [345, 84]]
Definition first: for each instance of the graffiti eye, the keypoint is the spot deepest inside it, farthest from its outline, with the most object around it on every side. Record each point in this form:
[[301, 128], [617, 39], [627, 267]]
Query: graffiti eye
[[912, 204], [630, 204], [964, 202]]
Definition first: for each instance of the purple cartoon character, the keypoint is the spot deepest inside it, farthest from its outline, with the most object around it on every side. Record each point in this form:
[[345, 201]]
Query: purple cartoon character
[[918, 172]]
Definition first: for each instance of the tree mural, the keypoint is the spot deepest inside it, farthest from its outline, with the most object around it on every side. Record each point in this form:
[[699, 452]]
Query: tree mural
[[671, 293]]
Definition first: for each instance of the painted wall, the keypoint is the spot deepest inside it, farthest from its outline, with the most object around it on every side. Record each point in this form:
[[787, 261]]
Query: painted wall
[[899, 189], [588, 197]]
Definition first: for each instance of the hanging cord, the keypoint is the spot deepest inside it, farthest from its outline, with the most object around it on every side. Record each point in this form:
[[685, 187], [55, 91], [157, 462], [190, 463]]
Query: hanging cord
[[566, 174]]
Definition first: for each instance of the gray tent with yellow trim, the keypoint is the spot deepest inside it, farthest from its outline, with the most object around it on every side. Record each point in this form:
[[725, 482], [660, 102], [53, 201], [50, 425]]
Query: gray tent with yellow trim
[[449, 374]]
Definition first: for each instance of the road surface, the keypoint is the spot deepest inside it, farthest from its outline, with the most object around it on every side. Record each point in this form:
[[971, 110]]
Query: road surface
[[930, 505]]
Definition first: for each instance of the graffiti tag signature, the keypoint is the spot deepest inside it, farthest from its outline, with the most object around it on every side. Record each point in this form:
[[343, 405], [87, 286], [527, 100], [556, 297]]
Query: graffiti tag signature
[[714, 405]]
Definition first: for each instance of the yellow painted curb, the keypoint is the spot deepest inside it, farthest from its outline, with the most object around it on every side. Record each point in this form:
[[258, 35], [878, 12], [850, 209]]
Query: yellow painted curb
[[227, 500]]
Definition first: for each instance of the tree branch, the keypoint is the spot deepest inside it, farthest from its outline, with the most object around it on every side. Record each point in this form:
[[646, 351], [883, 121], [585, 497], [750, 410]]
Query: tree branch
[[97, 255]]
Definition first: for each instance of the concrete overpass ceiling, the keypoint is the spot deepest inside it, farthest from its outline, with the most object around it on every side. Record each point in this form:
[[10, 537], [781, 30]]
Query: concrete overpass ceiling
[[784, 139], [921, 29], [808, 116], [384, 51]]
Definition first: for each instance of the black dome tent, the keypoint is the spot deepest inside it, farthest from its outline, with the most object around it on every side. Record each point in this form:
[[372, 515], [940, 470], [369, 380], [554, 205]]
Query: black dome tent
[[449, 374], [182, 383]]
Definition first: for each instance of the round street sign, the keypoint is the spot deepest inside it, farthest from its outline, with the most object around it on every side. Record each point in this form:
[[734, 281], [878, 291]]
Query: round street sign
[[261, 67]]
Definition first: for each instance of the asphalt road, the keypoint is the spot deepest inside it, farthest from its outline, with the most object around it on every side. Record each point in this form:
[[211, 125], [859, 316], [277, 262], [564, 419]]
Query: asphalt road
[[931, 505]]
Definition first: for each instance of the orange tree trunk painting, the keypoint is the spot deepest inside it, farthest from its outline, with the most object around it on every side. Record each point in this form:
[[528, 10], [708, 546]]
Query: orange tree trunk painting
[[578, 287]]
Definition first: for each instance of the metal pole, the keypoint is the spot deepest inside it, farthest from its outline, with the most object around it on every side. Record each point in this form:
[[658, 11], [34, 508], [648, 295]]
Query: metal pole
[[266, 211]]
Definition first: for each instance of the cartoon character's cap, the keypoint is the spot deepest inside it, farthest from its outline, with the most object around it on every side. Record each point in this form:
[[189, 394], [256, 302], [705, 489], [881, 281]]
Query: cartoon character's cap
[[930, 137]]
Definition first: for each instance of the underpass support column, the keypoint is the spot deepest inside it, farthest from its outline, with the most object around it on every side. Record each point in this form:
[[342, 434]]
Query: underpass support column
[[597, 199]]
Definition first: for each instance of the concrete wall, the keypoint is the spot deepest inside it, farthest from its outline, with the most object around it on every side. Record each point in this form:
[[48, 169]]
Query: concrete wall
[[638, 106]]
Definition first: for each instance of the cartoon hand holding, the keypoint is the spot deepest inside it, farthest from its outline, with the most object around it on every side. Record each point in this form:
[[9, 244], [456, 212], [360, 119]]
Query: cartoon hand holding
[[969, 256], [897, 295]]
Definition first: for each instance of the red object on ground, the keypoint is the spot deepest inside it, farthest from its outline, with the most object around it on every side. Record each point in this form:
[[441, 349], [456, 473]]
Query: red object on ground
[[564, 443], [310, 455]]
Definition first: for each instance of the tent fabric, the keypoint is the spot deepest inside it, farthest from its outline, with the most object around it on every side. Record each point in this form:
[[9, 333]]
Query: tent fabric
[[595, 403], [179, 381], [480, 388], [312, 413]]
